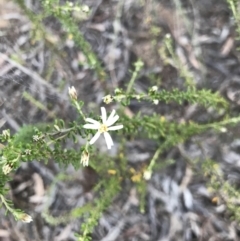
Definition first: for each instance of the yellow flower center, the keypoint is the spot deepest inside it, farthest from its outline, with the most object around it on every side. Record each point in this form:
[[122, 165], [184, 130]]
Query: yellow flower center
[[103, 128]]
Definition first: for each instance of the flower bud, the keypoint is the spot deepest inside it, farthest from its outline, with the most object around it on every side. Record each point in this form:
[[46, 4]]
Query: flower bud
[[147, 175], [118, 91], [7, 168], [85, 8], [154, 88], [6, 133], [36, 138], [85, 158], [25, 218], [72, 93]]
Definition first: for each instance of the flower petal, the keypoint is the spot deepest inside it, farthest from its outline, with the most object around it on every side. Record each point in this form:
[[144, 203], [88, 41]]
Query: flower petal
[[90, 126], [112, 120], [93, 121], [95, 137], [114, 128], [111, 116], [104, 114], [108, 140]]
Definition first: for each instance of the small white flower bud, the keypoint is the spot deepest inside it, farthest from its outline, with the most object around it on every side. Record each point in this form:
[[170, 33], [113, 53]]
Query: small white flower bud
[[72, 93], [85, 158], [6, 133], [27, 151], [85, 8], [36, 138], [7, 168], [138, 97], [117, 91], [223, 129], [154, 88], [147, 175], [25, 218], [167, 35]]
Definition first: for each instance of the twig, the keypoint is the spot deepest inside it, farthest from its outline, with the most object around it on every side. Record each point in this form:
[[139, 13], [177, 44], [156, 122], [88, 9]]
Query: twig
[[32, 74]]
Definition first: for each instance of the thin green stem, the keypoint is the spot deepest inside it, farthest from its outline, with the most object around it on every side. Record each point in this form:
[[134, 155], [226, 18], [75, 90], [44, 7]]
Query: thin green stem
[[138, 66], [79, 109], [6, 204]]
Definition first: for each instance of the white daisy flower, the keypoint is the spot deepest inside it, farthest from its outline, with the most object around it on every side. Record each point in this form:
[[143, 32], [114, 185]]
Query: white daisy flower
[[103, 127]]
